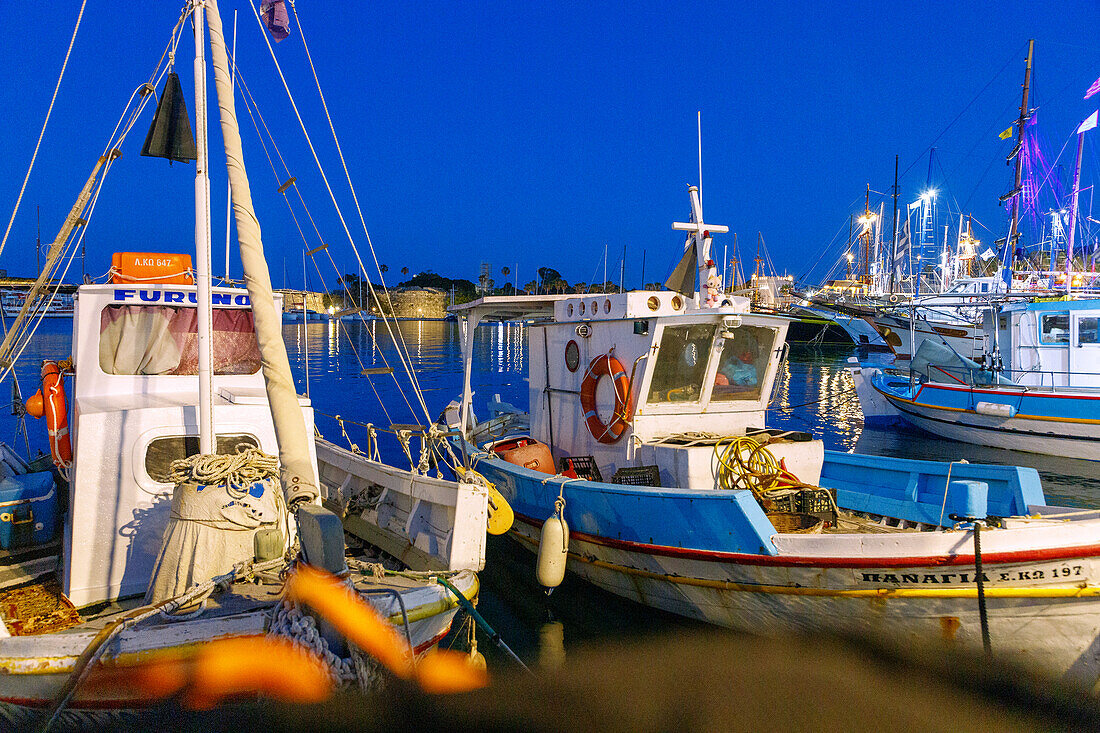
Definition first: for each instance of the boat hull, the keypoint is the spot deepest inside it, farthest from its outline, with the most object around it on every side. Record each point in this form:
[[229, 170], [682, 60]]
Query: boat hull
[[1051, 423], [907, 586], [33, 669]]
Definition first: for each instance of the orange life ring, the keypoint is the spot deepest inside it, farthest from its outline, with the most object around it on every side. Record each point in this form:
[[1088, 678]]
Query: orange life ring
[[49, 400], [607, 365]]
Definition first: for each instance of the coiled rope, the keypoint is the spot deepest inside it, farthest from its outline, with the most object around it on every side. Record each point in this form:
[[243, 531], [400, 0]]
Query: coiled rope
[[238, 471]]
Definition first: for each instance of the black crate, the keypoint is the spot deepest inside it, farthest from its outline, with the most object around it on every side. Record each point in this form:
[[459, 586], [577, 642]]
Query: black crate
[[813, 501], [637, 476], [584, 466]]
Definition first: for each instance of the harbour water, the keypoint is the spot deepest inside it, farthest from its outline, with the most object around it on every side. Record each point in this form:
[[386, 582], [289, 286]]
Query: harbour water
[[813, 394]]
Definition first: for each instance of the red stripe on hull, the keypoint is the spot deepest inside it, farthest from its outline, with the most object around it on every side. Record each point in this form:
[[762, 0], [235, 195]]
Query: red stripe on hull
[[1018, 556]]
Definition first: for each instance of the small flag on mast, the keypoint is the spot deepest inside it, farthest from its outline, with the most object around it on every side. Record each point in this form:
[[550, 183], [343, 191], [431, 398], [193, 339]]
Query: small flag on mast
[[276, 19], [1093, 89], [1007, 133], [1088, 124]]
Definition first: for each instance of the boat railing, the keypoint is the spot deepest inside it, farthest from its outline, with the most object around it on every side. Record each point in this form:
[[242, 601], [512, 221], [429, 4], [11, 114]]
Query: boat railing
[[980, 376]]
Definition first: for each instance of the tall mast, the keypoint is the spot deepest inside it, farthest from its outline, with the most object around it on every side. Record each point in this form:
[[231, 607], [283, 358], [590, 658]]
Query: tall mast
[[1013, 231], [296, 470], [202, 243], [1088, 124], [894, 234]]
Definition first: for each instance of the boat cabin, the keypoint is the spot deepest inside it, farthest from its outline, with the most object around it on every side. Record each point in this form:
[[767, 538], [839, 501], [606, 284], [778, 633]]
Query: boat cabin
[[647, 379], [1047, 343], [134, 402]]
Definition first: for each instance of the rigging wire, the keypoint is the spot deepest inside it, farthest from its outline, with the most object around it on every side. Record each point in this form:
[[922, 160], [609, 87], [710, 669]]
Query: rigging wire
[[399, 341], [254, 112], [45, 122]]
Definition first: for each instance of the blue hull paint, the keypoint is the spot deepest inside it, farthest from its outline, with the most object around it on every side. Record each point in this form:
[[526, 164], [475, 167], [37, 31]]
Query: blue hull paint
[[708, 520]]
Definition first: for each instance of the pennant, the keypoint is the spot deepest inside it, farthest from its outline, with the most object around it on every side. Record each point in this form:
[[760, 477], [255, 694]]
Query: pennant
[[1093, 89], [276, 19], [1007, 133], [1088, 124], [987, 254]]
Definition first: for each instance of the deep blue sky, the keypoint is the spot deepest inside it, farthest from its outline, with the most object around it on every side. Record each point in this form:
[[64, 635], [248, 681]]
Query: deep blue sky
[[534, 134]]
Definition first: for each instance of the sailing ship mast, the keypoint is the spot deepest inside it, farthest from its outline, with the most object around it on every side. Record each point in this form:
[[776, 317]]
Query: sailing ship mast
[[297, 476], [1013, 232], [207, 444]]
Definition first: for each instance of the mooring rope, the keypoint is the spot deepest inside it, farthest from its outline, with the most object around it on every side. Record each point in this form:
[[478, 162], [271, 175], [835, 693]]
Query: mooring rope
[[237, 471]]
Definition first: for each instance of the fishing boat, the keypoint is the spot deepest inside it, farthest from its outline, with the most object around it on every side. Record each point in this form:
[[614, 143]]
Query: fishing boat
[[187, 482], [645, 467], [1037, 389]]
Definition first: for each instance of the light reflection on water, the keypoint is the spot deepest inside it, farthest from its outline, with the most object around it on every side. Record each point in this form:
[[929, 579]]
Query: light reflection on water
[[813, 392]]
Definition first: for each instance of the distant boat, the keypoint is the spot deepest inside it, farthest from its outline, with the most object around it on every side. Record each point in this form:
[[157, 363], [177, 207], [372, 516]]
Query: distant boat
[[1039, 393]]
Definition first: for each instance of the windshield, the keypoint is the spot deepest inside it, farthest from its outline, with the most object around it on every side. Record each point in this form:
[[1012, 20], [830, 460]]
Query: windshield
[[746, 352], [681, 363]]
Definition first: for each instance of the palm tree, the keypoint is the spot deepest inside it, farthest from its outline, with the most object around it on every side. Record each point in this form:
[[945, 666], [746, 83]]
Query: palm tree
[[505, 271], [404, 271]]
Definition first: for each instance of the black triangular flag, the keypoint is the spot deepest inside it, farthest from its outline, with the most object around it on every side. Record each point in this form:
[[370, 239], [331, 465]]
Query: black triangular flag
[[682, 279], [170, 134]]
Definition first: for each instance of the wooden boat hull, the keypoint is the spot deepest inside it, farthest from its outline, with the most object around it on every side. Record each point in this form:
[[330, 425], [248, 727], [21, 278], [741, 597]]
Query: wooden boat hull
[[1057, 423], [34, 668], [1042, 581]]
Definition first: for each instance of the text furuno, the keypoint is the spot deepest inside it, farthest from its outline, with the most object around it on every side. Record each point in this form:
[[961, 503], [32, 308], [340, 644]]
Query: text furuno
[[176, 296]]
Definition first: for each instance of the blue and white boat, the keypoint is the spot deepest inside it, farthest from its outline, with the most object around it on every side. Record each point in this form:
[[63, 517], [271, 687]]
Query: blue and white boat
[[644, 467], [1037, 390]]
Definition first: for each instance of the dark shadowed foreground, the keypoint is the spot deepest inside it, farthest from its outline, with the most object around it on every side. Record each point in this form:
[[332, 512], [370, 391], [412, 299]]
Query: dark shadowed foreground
[[705, 680]]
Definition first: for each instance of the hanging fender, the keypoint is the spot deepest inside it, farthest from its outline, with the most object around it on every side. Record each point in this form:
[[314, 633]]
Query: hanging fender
[[49, 400], [607, 365]]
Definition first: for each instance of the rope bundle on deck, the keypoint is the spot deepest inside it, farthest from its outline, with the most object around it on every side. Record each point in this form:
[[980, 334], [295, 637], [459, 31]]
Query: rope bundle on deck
[[238, 471]]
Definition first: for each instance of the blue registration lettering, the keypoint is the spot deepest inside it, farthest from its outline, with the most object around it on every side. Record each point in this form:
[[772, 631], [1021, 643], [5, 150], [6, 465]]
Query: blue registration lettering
[[150, 296], [221, 299], [124, 294], [193, 297], [242, 300], [173, 297]]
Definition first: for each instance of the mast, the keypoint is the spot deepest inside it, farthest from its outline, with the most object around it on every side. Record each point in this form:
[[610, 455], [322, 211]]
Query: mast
[[202, 245], [1088, 124], [894, 234], [296, 469], [1013, 231]]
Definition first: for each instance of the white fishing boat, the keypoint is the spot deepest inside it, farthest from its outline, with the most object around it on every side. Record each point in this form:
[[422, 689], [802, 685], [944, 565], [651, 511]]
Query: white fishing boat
[[158, 556], [1036, 390], [645, 467]]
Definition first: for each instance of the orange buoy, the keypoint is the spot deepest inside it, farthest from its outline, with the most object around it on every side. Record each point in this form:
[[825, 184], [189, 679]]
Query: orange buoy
[[607, 365], [49, 400]]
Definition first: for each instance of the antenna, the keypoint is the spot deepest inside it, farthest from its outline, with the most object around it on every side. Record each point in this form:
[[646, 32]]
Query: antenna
[[699, 135]]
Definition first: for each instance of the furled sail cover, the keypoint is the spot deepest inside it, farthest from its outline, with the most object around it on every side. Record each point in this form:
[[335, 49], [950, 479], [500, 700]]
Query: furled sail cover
[[682, 279], [170, 134]]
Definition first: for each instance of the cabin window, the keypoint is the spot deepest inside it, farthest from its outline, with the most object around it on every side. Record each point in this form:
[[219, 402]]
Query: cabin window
[[1054, 328], [746, 352], [163, 340], [681, 363], [162, 451], [1087, 330]]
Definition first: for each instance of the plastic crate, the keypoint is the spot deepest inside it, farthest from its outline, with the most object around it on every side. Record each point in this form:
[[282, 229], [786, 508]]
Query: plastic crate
[[583, 466], [637, 476], [813, 501]]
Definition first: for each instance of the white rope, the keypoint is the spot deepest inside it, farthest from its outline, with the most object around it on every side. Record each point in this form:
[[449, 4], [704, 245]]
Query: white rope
[[239, 470]]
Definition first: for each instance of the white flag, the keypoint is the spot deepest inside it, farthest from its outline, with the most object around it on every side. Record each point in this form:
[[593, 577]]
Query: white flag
[[1088, 124], [987, 255]]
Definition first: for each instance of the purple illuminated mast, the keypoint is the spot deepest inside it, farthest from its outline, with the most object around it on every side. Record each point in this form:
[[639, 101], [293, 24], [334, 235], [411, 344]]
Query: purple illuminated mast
[[1013, 232]]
